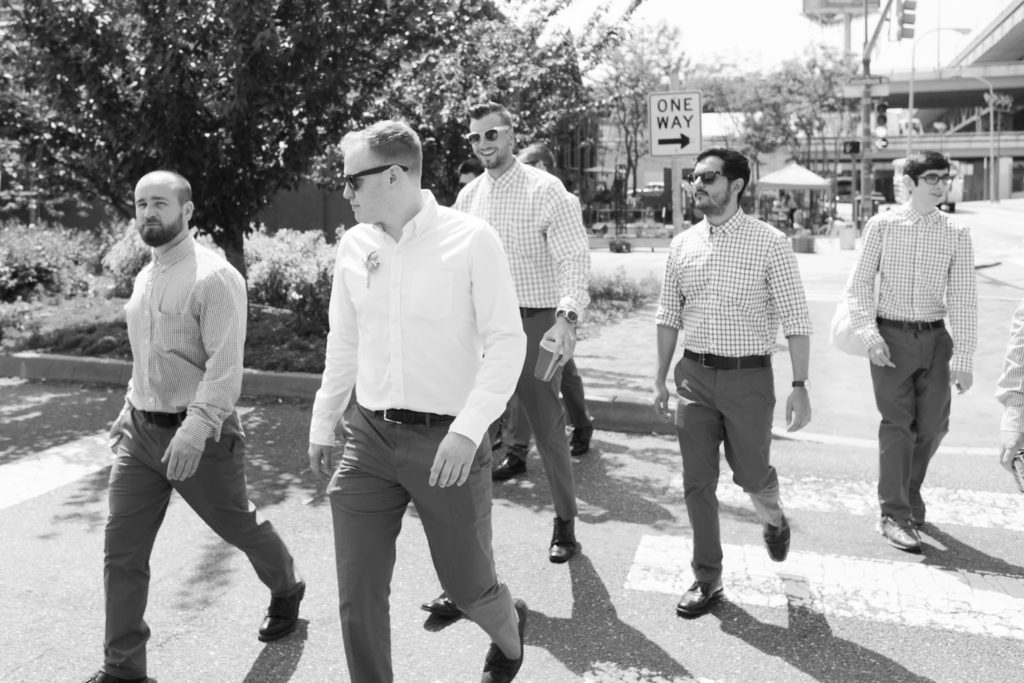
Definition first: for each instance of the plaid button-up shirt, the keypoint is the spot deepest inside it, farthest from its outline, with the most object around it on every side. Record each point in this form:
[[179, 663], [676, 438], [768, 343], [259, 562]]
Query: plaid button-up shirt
[[541, 227], [1010, 387], [729, 287], [186, 325], [925, 271]]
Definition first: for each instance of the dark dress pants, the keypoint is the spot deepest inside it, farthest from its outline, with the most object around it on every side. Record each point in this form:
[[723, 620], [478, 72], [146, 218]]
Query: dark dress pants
[[540, 402], [138, 498], [383, 467], [914, 401], [517, 425], [733, 407]]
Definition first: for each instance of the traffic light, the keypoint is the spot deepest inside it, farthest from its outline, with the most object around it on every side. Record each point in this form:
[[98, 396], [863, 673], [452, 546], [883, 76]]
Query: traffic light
[[851, 147], [881, 128], [905, 18]]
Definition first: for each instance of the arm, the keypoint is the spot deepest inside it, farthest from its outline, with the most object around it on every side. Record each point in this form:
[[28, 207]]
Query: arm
[[670, 321], [569, 247], [860, 288], [668, 337], [1010, 391], [339, 375], [221, 302], [962, 299], [787, 291], [504, 349], [798, 404]]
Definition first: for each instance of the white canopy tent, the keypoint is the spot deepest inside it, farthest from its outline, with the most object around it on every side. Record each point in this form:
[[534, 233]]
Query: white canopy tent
[[792, 177]]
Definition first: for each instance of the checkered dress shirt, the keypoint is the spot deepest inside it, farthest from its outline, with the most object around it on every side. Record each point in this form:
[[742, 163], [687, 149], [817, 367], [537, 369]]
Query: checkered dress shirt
[[541, 227], [1010, 387], [729, 287], [186, 325], [925, 269]]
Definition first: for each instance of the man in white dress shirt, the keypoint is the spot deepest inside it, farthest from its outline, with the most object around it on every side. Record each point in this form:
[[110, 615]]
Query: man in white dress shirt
[[424, 326]]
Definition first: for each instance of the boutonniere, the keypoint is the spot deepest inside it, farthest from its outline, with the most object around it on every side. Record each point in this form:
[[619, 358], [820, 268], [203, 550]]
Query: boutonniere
[[372, 264]]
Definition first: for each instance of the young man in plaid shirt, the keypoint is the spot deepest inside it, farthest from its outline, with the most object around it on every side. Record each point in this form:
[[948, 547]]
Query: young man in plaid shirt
[[924, 264]]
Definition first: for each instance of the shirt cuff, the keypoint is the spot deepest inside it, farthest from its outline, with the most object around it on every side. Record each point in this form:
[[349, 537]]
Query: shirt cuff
[[962, 363], [1013, 419]]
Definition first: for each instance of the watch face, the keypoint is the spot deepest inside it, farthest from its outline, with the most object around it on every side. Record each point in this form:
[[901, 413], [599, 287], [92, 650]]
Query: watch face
[[570, 316]]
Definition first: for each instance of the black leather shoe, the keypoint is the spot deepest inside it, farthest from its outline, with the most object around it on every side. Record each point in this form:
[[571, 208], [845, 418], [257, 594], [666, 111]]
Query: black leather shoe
[[776, 539], [442, 606], [579, 444], [563, 541], [900, 535], [699, 599], [282, 615], [497, 667], [509, 467], [103, 677]]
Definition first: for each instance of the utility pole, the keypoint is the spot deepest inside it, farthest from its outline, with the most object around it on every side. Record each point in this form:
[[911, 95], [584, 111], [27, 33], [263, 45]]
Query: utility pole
[[862, 203]]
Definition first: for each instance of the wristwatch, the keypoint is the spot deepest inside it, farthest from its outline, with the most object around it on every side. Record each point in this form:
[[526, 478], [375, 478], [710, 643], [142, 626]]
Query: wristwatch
[[570, 316], [800, 383]]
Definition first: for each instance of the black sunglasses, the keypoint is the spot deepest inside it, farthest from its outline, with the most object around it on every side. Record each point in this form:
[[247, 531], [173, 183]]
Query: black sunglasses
[[491, 134], [707, 177], [351, 180]]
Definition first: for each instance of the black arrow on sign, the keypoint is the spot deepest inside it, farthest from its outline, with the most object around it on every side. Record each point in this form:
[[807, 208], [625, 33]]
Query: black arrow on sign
[[682, 139]]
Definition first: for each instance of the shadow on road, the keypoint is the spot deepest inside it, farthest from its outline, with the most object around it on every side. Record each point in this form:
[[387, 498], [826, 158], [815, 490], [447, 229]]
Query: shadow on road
[[956, 555], [279, 660]]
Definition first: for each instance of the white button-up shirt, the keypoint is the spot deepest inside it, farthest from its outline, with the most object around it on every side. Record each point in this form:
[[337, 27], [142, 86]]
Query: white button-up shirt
[[429, 323], [186, 325]]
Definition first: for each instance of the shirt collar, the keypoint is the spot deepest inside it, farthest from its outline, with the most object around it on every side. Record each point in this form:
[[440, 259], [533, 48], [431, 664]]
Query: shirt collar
[[176, 253], [425, 219], [914, 216], [509, 176], [731, 225]]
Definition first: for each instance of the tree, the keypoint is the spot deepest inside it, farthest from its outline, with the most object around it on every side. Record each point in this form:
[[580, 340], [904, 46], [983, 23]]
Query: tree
[[238, 96]]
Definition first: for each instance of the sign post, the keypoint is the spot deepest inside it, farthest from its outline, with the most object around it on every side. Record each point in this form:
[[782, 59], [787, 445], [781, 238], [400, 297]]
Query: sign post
[[675, 131]]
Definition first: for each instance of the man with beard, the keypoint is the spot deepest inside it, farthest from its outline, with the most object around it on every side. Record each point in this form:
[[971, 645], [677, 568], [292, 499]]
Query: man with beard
[[924, 263], [541, 228], [729, 282], [178, 430]]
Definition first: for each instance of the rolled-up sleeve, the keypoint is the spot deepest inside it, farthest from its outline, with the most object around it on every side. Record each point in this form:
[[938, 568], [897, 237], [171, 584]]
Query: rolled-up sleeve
[[570, 248], [962, 300], [671, 300], [860, 288], [787, 289]]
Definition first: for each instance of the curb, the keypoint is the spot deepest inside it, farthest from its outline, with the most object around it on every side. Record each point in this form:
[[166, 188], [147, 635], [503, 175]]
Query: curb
[[611, 414]]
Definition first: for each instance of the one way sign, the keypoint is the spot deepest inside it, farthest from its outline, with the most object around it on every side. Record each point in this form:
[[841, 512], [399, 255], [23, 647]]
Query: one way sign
[[674, 123]]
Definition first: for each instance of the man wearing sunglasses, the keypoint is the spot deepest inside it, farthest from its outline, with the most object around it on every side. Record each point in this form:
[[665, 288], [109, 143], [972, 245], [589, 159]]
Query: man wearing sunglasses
[[924, 263], [423, 326], [541, 226], [729, 282]]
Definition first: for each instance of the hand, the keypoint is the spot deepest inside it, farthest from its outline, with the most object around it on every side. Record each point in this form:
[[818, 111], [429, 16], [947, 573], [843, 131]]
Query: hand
[[961, 380], [1009, 444], [798, 410], [453, 460], [661, 400], [879, 355], [563, 333], [321, 462], [114, 435], [182, 459]]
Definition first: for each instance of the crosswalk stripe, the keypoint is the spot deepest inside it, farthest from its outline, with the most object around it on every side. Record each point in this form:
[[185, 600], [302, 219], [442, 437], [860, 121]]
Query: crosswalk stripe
[[908, 593], [962, 507], [36, 474]]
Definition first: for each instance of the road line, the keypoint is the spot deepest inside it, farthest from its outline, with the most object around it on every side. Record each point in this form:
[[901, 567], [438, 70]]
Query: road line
[[961, 507], [908, 593], [34, 475]]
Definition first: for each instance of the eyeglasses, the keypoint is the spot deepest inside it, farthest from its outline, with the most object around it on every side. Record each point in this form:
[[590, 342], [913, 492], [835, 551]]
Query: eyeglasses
[[352, 180], [707, 177], [491, 134], [932, 179]]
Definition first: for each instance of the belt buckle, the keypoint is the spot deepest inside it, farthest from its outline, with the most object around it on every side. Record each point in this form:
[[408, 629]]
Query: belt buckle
[[388, 419], [704, 361]]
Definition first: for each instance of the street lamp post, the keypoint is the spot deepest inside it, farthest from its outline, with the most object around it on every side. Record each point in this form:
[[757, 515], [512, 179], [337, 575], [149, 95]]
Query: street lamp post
[[910, 89]]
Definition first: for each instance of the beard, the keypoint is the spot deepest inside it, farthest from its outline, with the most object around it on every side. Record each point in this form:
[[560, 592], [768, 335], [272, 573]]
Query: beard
[[156, 233]]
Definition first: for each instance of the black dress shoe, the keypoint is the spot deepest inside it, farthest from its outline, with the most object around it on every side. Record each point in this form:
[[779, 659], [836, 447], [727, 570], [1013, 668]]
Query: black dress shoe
[[282, 615], [442, 606], [699, 599], [103, 677], [509, 467], [900, 534], [776, 539], [563, 541], [497, 667], [579, 444]]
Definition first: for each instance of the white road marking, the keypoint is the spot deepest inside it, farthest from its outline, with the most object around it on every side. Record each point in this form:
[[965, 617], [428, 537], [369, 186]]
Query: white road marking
[[962, 507], [908, 593], [36, 474]]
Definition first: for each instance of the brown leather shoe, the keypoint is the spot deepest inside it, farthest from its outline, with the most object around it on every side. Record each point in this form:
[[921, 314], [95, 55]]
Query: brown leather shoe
[[699, 599], [282, 615], [776, 540], [563, 541], [442, 606], [900, 535]]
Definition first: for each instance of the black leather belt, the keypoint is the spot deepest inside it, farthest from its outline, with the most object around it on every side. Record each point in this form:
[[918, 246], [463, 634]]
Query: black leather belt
[[163, 420], [710, 360], [529, 312], [908, 326], [411, 417]]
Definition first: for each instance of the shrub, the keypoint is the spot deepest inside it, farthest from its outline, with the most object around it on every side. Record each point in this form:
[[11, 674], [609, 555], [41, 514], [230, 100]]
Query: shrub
[[125, 259], [620, 288], [37, 261], [292, 269]]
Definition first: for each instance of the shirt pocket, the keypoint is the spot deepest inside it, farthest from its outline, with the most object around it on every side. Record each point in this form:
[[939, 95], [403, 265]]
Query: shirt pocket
[[431, 293], [176, 333], [742, 282]]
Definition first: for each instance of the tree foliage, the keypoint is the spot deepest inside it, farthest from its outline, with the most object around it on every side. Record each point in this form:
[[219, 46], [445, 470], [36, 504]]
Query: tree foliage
[[236, 95]]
